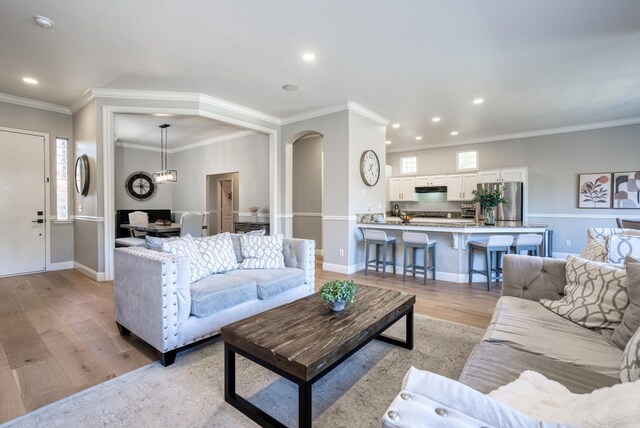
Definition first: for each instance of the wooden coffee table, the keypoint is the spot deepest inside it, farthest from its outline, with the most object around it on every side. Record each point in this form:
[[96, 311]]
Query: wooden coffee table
[[303, 341]]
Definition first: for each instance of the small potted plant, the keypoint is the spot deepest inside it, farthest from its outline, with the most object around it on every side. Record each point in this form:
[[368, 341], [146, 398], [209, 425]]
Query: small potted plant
[[254, 213], [337, 293], [489, 200]]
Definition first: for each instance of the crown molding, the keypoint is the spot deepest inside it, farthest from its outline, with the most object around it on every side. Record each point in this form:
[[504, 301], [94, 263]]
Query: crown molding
[[207, 142], [28, 102], [84, 99], [126, 145], [369, 114], [322, 111], [528, 134]]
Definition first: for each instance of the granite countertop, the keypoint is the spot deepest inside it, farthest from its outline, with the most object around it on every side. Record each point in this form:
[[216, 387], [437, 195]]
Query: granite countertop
[[455, 223]]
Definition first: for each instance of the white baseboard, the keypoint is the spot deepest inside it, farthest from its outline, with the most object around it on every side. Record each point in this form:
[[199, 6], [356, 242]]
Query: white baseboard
[[60, 266], [460, 278], [319, 252], [97, 276], [345, 269]]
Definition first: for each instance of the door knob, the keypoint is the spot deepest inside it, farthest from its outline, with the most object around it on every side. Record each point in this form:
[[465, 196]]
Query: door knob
[[38, 221]]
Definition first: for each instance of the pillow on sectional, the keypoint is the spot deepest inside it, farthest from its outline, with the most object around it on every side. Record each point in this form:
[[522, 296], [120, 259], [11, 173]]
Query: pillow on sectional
[[187, 247], [595, 294], [262, 252], [631, 318], [595, 251], [630, 367], [217, 252], [621, 246], [155, 242]]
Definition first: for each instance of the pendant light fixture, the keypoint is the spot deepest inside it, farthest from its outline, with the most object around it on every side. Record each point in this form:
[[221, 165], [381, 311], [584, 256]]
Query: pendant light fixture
[[165, 175]]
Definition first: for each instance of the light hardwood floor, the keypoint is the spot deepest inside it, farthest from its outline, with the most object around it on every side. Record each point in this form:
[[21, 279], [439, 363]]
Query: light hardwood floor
[[58, 335]]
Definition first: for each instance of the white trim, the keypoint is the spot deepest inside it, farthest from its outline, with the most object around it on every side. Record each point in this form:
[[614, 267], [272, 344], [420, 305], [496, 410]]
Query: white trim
[[365, 112], [527, 134], [589, 216], [84, 99], [28, 102], [96, 276], [307, 215], [339, 217], [345, 269], [285, 216], [60, 266], [213, 140], [321, 111], [56, 221], [134, 146], [90, 218], [260, 215]]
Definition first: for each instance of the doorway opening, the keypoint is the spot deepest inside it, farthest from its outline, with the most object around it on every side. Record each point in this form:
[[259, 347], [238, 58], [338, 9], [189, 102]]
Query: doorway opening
[[308, 188], [222, 202]]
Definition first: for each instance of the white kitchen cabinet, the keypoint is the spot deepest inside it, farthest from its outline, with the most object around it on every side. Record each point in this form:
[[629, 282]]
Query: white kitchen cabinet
[[402, 189], [460, 187], [431, 180], [503, 175]]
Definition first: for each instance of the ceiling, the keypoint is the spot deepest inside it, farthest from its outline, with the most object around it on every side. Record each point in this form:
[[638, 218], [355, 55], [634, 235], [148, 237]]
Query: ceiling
[[540, 64], [142, 129]]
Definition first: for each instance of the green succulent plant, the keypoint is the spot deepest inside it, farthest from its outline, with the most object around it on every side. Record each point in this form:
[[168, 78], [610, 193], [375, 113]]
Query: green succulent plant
[[338, 290]]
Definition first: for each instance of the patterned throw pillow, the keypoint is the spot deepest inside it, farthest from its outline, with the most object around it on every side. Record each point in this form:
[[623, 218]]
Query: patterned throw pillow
[[630, 367], [217, 252], [631, 318], [187, 247], [262, 252], [595, 294], [595, 251], [600, 234], [621, 246]]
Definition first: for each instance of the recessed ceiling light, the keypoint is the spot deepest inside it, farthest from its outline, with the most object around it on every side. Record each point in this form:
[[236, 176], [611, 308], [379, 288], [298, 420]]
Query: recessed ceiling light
[[43, 21], [30, 80], [418, 138], [454, 133], [435, 119], [290, 87], [309, 57], [478, 101], [388, 142], [395, 125]]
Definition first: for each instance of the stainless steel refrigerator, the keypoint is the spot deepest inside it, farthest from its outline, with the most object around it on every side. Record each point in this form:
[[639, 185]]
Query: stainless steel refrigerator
[[513, 193]]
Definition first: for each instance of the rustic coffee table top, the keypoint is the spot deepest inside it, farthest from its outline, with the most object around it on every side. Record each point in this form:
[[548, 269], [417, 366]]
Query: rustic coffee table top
[[305, 337]]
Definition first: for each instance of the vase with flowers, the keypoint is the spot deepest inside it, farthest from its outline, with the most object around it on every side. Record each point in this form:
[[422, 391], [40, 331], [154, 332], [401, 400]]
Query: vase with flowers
[[254, 214], [489, 200]]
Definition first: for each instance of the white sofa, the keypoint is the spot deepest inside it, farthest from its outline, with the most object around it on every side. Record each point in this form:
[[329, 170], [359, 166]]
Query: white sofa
[[155, 299]]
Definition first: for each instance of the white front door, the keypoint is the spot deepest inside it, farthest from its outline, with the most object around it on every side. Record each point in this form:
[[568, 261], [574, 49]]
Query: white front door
[[22, 215]]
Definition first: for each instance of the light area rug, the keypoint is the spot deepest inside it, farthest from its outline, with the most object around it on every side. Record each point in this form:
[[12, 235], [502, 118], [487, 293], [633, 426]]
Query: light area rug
[[190, 393]]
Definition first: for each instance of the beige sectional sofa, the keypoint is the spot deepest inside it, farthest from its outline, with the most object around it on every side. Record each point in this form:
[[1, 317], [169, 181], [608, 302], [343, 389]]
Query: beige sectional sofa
[[155, 299]]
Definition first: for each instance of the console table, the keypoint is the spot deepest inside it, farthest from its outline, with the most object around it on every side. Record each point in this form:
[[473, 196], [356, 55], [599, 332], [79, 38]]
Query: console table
[[248, 226]]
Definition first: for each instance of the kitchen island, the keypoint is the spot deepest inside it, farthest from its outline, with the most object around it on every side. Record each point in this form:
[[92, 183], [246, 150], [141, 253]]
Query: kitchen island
[[452, 236]]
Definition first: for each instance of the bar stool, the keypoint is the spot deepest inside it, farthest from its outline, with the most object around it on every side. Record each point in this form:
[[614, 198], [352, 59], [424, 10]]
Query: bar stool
[[413, 242], [495, 245], [529, 242], [379, 238]]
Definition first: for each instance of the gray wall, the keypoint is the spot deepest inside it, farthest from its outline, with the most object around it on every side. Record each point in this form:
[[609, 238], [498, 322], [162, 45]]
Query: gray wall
[[554, 163], [55, 125], [307, 189], [128, 160]]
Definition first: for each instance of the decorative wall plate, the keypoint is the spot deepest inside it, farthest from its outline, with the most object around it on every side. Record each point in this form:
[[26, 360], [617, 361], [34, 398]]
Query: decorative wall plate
[[140, 186]]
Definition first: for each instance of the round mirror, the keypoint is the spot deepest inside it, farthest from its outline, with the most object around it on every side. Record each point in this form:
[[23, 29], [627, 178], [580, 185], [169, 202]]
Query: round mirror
[[82, 175]]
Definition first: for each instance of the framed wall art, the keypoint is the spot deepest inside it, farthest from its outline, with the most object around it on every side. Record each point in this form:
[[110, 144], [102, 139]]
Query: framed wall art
[[626, 189], [594, 190]]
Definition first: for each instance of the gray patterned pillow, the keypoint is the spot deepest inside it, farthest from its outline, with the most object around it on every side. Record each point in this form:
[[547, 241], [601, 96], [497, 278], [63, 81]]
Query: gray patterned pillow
[[262, 252], [600, 234], [187, 247], [595, 251], [631, 318], [621, 246], [217, 252], [595, 294], [630, 367]]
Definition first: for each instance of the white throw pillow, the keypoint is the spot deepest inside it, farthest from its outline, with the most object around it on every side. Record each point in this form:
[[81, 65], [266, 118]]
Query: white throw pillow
[[217, 252], [187, 247], [621, 246], [630, 367], [262, 252], [595, 294], [595, 251]]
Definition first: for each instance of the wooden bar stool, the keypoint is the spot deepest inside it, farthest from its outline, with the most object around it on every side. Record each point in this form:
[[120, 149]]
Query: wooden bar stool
[[529, 242], [496, 245], [413, 242], [379, 238]]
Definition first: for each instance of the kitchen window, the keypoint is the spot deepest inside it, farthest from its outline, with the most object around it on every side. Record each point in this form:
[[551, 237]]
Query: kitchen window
[[467, 160], [62, 179], [408, 165]]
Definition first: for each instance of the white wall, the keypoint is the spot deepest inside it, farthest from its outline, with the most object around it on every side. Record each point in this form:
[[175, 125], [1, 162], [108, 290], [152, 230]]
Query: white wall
[[554, 163]]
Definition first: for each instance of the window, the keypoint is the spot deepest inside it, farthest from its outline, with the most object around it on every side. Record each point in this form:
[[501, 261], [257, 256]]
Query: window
[[468, 160], [62, 179], [408, 165]]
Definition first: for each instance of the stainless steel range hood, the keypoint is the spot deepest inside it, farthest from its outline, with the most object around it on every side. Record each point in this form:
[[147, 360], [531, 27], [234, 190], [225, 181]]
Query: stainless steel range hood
[[431, 189]]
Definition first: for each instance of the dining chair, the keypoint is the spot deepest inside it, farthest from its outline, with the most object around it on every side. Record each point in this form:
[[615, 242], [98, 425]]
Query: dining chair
[[191, 223], [627, 223], [136, 218]]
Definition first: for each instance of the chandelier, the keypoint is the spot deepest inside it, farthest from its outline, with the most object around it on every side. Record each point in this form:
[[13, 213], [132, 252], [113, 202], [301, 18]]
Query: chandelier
[[165, 175]]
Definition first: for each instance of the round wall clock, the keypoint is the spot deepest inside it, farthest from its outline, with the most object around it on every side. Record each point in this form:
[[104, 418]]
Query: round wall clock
[[370, 168], [140, 186]]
